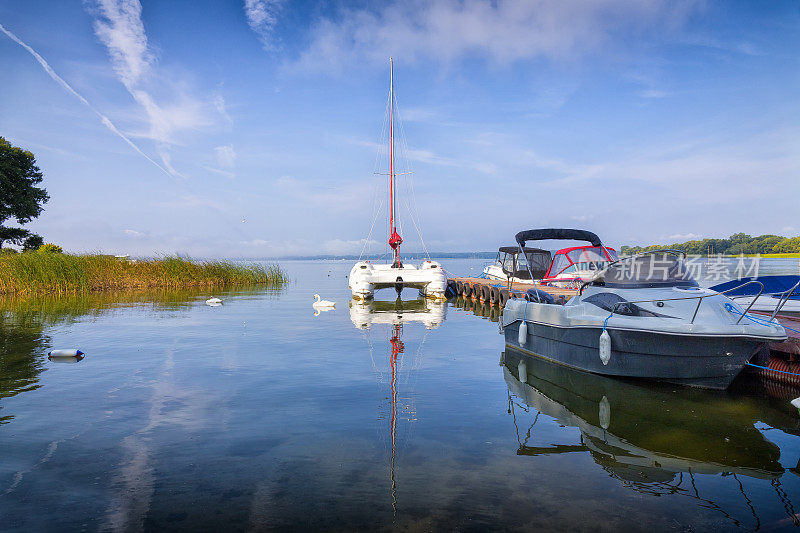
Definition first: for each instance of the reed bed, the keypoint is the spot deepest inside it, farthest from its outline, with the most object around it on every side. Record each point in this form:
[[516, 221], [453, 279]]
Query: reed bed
[[43, 273]]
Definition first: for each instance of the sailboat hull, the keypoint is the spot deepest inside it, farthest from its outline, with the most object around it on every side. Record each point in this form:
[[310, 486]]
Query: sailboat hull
[[429, 278]]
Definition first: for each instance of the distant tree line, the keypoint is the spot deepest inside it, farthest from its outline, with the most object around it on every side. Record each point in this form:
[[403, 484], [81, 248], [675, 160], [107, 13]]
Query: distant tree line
[[738, 243]]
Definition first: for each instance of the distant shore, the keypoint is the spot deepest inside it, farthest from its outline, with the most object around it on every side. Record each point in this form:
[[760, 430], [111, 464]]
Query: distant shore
[[44, 273]]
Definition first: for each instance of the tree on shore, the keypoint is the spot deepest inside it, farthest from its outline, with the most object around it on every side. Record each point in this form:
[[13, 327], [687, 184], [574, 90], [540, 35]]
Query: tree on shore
[[20, 199], [738, 243]]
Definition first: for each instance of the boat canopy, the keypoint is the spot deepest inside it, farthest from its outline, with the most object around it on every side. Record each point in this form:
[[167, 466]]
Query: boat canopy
[[515, 250], [581, 258], [557, 234], [535, 261], [772, 285]]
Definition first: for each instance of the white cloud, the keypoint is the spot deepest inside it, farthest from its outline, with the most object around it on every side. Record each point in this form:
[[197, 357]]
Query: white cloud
[[133, 233], [189, 201], [105, 120], [226, 156], [119, 27], [219, 105], [262, 17], [500, 31], [122, 31], [226, 173], [654, 93], [678, 237]]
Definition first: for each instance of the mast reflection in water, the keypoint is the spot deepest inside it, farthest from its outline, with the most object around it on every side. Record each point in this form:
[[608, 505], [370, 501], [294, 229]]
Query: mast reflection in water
[[655, 439], [366, 314]]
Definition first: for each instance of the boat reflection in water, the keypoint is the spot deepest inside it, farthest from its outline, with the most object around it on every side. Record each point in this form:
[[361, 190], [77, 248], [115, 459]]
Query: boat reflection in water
[[396, 374], [653, 438], [364, 314]]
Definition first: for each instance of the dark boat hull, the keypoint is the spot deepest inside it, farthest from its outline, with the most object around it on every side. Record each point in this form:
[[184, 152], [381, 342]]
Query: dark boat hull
[[697, 361]]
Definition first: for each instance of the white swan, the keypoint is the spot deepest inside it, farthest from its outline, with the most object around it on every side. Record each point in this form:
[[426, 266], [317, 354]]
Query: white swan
[[322, 304], [213, 302]]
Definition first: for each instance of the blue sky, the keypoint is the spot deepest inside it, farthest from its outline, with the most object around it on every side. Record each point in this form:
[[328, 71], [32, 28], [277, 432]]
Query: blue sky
[[251, 128]]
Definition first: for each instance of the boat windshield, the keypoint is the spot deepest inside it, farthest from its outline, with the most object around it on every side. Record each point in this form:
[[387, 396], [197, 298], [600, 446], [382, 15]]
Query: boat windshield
[[516, 264], [538, 261], [583, 258], [658, 269]]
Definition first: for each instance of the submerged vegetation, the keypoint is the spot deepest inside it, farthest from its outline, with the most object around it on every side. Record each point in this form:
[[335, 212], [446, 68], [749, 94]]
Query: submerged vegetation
[[41, 273], [736, 244]]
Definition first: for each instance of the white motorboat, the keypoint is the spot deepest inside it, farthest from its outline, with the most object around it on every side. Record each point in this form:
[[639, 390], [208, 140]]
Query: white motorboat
[[568, 267], [367, 277], [766, 294], [645, 317]]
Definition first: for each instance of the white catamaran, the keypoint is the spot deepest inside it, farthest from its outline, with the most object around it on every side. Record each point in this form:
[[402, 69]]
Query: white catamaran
[[365, 276]]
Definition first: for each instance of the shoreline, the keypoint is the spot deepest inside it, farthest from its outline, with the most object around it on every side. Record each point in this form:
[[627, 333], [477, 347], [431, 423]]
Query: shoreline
[[38, 273]]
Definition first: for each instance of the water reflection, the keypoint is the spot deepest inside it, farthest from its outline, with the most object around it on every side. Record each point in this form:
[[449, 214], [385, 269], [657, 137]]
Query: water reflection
[[653, 439], [365, 314], [430, 313], [24, 324], [478, 308]]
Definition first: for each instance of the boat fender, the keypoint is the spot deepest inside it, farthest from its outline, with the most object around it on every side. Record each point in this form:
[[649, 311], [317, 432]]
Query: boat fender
[[605, 347], [523, 333], [522, 371], [73, 352]]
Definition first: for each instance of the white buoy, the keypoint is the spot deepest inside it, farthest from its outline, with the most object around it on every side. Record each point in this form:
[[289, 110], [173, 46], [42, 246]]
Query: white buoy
[[522, 371], [213, 302], [523, 333], [72, 352], [65, 356], [605, 347]]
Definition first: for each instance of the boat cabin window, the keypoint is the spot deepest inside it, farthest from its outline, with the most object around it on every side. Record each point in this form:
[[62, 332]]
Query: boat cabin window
[[509, 264], [516, 264], [651, 270]]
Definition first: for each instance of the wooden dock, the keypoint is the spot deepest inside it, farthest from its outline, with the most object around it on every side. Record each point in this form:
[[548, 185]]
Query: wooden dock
[[496, 292]]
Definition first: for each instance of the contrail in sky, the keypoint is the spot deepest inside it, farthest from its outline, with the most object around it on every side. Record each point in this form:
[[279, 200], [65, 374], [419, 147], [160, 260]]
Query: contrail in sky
[[72, 91]]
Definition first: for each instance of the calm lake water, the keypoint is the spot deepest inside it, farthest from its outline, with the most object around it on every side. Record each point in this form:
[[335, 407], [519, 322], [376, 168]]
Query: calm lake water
[[259, 415]]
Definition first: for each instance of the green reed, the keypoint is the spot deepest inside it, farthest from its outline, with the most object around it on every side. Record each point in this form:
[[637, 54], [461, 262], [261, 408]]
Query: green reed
[[41, 273]]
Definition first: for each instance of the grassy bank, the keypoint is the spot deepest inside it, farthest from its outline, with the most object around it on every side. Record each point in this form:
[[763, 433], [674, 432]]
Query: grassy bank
[[776, 256], [41, 273]]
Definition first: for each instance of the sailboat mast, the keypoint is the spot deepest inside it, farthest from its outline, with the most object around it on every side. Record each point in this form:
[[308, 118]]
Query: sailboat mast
[[394, 238], [391, 156]]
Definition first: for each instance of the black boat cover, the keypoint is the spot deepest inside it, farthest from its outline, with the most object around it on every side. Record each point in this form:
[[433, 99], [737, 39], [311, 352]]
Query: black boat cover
[[515, 250], [557, 234]]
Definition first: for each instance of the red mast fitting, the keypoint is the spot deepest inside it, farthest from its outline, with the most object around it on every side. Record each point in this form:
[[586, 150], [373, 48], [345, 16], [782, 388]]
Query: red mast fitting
[[395, 240]]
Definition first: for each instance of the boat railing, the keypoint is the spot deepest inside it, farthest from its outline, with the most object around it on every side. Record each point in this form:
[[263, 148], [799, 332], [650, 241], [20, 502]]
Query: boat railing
[[700, 298], [784, 298]]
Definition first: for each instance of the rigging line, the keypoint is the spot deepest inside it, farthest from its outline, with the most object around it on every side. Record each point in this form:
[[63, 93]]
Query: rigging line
[[749, 502], [375, 169], [410, 181], [787, 503], [415, 212], [528, 433], [372, 226], [369, 343], [382, 136]]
